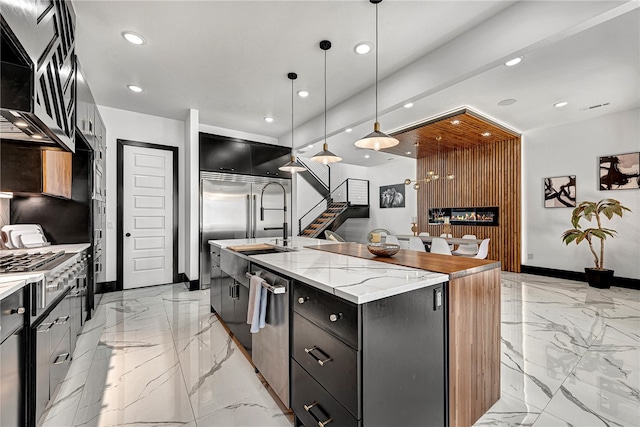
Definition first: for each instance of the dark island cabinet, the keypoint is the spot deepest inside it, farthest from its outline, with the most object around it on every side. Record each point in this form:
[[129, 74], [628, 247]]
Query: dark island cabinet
[[381, 363]]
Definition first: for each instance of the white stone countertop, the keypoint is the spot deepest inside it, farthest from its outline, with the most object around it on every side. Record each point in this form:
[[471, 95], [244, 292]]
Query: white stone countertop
[[354, 279], [10, 285]]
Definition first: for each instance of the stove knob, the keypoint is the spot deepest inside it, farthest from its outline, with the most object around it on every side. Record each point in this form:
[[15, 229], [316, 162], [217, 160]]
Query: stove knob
[[19, 310]]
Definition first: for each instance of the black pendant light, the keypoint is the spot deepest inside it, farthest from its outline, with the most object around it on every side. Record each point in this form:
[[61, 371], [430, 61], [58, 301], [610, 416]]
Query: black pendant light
[[325, 156], [376, 140], [293, 166]]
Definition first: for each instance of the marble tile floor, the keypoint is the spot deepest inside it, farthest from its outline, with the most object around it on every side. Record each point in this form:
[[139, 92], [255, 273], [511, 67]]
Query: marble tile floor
[[157, 356]]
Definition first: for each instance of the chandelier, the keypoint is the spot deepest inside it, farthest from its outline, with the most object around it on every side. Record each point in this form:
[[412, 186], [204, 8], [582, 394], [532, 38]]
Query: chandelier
[[431, 175]]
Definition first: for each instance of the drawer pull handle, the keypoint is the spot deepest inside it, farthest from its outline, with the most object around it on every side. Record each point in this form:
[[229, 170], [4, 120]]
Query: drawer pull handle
[[61, 359], [44, 327], [302, 300], [62, 322], [334, 317], [320, 423], [321, 360]]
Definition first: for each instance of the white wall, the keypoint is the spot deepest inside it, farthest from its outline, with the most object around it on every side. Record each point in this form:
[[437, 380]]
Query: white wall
[[396, 220], [133, 126], [574, 149]]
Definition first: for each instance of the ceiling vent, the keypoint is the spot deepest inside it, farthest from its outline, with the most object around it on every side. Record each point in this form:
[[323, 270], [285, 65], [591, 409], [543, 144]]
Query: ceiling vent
[[595, 106]]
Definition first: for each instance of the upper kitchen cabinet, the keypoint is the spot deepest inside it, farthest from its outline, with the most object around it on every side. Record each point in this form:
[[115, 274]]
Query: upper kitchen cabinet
[[85, 107], [37, 102], [266, 159], [232, 155], [224, 154], [31, 170]]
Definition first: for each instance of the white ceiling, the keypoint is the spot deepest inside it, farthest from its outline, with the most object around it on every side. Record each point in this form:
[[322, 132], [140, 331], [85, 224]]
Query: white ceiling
[[229, 60]]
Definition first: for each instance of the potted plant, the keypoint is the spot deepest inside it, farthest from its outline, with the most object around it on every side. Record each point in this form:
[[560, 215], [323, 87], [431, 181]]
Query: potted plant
[[598, 277]]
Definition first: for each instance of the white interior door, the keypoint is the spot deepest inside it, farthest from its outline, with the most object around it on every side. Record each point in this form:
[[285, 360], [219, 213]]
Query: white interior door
[[147, 217]]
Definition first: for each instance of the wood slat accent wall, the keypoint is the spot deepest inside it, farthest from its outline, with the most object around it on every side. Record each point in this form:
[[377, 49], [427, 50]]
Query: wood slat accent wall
[[474, 346], [487, 175]]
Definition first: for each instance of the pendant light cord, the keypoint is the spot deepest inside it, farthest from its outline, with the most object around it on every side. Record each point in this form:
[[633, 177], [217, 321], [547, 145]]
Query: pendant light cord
[[292, 117], [376, 62], [325, 96]]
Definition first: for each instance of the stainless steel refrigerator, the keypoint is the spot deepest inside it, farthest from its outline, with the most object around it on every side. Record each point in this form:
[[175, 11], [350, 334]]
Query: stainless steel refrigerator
[[230, 208]]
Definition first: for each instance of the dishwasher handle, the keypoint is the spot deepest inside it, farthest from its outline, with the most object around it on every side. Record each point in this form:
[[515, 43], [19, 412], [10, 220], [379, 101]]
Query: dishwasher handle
[[273, 289]]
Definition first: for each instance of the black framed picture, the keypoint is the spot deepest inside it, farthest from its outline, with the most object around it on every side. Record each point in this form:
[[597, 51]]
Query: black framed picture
[[560, 192], [620, 172], [392, 196]]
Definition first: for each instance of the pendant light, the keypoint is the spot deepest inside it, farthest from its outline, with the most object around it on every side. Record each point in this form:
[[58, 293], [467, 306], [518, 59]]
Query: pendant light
[[293, 166], [325, 156], [377, 140]]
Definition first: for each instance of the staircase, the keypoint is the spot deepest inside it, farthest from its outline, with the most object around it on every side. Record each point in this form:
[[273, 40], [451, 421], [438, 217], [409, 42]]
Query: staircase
[[349, 200], [317, 175]]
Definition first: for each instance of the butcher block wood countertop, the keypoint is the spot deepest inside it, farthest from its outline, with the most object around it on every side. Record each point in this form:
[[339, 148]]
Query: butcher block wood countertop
[[454, 266]]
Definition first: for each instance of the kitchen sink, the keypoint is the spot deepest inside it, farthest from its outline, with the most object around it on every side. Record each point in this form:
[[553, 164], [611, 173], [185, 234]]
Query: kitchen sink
[[262, 249]]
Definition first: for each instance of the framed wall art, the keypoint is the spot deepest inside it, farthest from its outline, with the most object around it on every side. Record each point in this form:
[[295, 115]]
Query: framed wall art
[[620, 172], [560, 192], [392, 196]]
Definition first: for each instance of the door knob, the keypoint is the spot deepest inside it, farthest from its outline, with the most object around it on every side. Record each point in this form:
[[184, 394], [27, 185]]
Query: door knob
[[128, 234]]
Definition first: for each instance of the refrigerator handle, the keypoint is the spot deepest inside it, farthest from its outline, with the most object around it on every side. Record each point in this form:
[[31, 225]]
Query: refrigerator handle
[[248, 228], [255, 220]]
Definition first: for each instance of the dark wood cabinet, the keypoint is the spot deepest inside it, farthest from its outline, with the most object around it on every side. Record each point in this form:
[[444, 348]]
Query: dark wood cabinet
[[380, 363], [223, 154], [31, 170], [266, 159], [237, 156]]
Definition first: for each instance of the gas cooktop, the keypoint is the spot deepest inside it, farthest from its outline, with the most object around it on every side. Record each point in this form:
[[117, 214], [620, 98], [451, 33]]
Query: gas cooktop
[[18, 263]]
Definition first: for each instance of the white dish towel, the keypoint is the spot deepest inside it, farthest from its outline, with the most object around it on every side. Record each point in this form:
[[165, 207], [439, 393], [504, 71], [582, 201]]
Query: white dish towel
[[257, 309]]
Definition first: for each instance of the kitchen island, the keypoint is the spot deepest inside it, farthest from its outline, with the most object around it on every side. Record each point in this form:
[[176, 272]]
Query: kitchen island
[[399, 291]]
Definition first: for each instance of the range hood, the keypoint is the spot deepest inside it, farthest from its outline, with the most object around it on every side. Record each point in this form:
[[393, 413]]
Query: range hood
[[37, 95]]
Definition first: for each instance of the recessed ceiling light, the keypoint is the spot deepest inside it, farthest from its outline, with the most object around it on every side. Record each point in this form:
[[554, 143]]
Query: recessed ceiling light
[[506, 102], [560, 104], [134, 88], [363, 48], [514, 61], [310, 146], [408, 105], [486, 134], [36, 136], [21, 124], [303, 93], [455, 122], [347, 130], [366, 156], [268, 119], [408, 152], [133, 38]]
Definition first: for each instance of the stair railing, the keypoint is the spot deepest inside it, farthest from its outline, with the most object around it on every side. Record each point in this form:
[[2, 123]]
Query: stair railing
[[320, 171], [353, 192]]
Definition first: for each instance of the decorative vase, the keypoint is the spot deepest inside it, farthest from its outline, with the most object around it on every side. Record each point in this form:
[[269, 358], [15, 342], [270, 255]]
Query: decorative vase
[[601, 279]]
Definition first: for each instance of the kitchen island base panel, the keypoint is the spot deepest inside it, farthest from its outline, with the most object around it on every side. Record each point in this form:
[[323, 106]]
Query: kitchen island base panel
[[474, 346]]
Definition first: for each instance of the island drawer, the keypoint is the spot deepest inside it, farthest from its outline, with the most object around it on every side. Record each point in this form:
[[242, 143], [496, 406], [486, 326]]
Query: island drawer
[[339, 317], [313, 405], [328, 360]]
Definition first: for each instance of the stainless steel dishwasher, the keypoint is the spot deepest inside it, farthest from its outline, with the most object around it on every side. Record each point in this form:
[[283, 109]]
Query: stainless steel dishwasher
[[271, 344]]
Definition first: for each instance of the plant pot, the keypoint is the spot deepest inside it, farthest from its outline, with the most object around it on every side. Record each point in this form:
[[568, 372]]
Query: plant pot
[[601, 279]]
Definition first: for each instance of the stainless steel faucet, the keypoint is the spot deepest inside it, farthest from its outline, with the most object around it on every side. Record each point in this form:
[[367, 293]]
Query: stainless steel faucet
[[284, 227]]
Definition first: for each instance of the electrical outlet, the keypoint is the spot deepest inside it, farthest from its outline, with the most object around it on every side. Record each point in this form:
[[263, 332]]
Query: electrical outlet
[[529, 256]]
